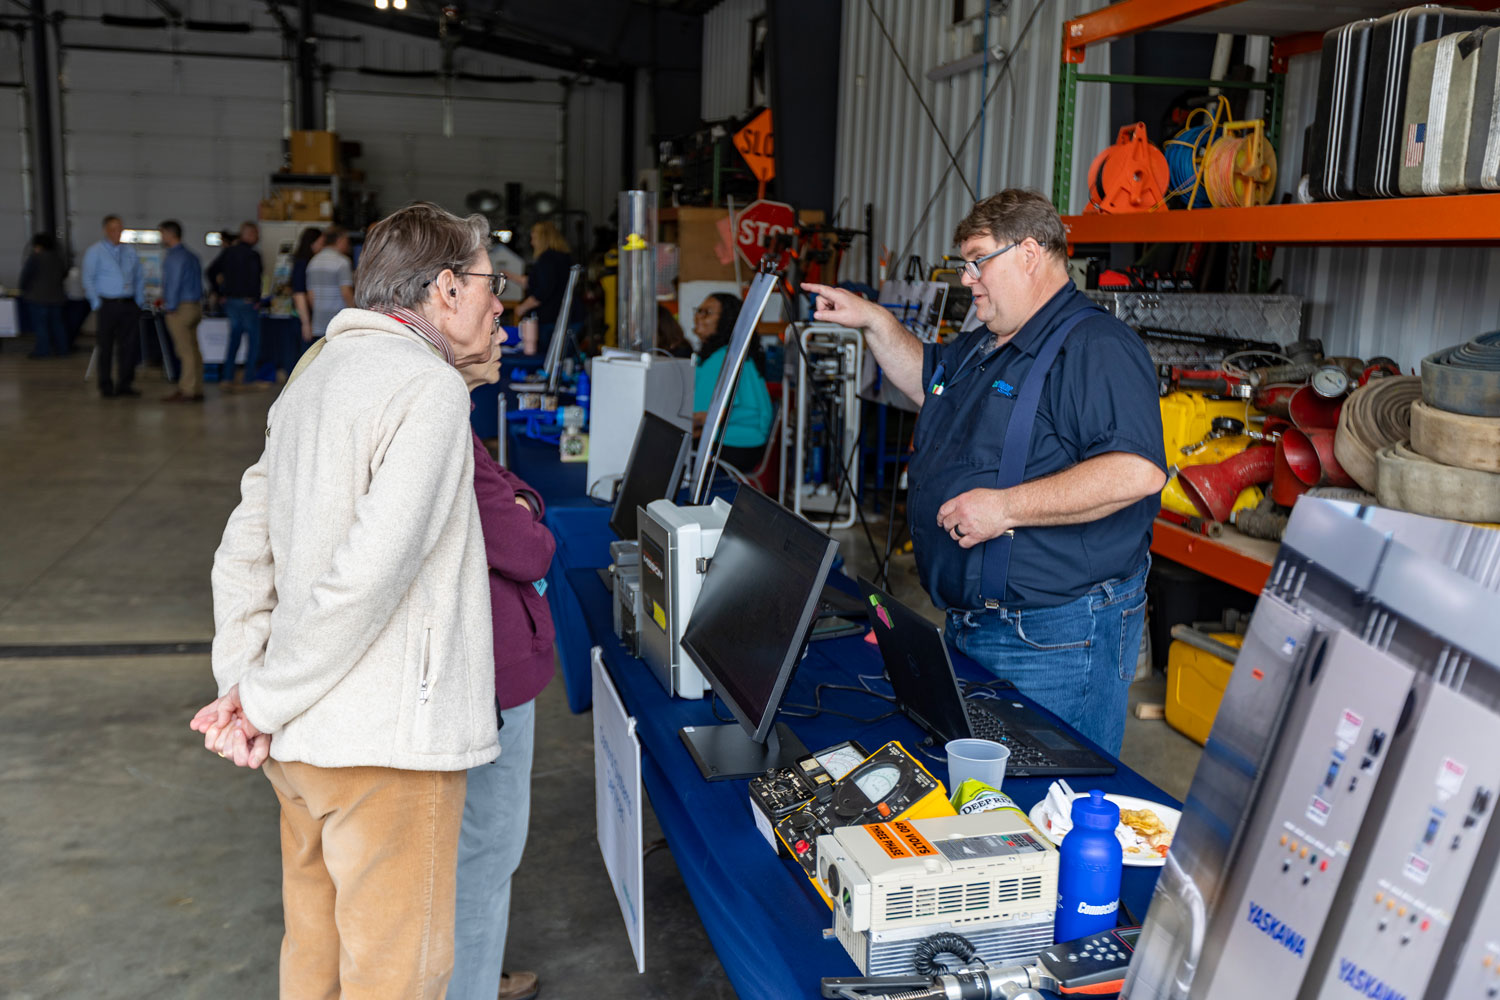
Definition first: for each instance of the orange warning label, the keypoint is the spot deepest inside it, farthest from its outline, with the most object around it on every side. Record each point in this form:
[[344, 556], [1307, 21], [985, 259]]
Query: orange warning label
[[888, 840], [914, 841]]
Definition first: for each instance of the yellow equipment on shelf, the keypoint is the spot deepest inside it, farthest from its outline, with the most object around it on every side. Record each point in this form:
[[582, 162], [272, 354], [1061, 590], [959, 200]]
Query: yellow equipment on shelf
[[1196, 680], [1186, 419]]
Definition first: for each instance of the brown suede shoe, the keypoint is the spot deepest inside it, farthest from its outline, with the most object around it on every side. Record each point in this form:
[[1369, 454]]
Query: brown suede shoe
[[519, 985]]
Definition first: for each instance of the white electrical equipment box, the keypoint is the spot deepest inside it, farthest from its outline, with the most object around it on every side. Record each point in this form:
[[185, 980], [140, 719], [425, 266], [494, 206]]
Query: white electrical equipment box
[[676, 545], [622, 386], [989, 876]]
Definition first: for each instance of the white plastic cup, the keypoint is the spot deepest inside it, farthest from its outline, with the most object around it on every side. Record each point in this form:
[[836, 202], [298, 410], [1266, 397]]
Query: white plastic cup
[[983, 760]]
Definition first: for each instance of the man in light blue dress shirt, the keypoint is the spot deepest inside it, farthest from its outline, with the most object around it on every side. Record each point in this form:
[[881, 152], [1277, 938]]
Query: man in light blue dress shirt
[[116, 288]]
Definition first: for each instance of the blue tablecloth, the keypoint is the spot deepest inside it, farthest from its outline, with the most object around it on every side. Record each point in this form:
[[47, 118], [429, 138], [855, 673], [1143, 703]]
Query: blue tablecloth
[[760, 912], [765, 920]]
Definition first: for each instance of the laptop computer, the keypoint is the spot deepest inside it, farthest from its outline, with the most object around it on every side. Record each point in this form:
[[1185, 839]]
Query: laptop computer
[[921, 675]]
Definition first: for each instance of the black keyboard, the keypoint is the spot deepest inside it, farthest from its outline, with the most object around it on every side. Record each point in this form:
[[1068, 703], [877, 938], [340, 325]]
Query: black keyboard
[[1023, 752]]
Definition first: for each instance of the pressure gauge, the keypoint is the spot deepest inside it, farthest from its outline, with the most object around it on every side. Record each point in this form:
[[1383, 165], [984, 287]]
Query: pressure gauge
[[1330, 381]]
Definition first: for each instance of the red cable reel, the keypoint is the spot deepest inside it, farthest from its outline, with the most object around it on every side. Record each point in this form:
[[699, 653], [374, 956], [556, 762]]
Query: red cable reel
[[1130, 176]]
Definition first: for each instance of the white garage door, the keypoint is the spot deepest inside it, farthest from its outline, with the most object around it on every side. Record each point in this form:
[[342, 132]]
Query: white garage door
[[407, 158], [15, 220], [152, 137]]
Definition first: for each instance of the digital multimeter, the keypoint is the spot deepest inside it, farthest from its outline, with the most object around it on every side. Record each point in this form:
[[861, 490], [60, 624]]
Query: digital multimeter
[[783, 790], [889, 784], [1093, 965]]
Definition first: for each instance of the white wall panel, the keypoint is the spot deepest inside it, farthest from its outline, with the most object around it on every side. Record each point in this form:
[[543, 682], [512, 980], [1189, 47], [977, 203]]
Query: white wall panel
[[15, 177], [408, 158], [221, 120], [726, 58], [888, 153], [150, 137], [1402, 302]]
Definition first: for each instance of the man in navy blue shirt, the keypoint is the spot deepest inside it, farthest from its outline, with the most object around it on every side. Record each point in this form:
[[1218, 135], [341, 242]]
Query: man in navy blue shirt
[[116, 288], [236, 275], [182, 305], [1037, 547]]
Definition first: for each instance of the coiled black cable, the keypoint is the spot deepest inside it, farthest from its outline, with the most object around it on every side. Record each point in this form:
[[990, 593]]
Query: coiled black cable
[[924, 959]]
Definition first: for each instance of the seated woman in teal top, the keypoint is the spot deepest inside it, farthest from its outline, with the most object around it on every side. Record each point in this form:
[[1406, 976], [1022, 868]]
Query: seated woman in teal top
[[748, 426]]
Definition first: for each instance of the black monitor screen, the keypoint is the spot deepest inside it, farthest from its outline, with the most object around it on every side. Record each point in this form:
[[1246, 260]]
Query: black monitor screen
[[759, 595], [652, 472]]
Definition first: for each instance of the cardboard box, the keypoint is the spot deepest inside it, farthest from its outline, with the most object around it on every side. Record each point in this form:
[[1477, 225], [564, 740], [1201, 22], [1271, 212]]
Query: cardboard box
[[315, 153]]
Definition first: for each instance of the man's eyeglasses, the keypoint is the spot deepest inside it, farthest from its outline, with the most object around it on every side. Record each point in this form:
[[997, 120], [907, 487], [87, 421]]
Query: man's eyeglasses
[[497, 281], [971, 267]]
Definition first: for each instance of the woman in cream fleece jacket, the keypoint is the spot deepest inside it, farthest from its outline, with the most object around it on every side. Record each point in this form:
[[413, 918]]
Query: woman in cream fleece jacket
[[352, 614]]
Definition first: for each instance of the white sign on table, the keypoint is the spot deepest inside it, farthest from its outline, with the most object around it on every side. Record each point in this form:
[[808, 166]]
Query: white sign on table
[[10, 322], [617, 804], [213, 341]]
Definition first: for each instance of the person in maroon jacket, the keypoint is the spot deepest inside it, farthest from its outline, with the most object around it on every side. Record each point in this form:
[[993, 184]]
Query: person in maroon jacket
[[497, 804]]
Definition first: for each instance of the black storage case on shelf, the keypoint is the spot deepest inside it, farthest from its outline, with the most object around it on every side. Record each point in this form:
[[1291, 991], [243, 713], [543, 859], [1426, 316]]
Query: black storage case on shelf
[[1333, 145], [1382, 133]]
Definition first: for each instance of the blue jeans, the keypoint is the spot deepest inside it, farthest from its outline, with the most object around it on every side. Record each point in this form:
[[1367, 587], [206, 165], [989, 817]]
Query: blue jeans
[[47, 323], [497, 809], [244, 318], [1075, 659]]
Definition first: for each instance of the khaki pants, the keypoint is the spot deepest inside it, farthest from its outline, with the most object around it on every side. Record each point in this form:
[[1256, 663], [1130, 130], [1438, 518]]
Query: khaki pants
[[182, 324], [367, 880]]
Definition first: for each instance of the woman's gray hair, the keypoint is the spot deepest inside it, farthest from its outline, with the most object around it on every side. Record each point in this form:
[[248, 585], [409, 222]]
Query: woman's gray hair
[[409, 248]]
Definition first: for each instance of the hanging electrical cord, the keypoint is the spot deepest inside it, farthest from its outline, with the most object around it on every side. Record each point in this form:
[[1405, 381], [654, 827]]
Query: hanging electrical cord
[[1000, 77], [891, 42]]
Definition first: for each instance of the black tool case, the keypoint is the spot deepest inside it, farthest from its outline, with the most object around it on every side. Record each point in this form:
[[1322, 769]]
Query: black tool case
[[1392, 39], [1333, 144]]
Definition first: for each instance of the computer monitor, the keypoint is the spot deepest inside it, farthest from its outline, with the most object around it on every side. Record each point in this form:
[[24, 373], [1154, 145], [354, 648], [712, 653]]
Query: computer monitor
[[652, 472], [754, 307], [552, 364], [748, 629]]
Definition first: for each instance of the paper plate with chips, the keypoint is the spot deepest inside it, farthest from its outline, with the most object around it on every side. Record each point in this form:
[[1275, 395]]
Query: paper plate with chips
[[1145, 832]]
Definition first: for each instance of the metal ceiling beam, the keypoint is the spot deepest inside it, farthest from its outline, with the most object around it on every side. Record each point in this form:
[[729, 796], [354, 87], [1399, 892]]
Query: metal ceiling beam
[[557, 57], [172, 13]]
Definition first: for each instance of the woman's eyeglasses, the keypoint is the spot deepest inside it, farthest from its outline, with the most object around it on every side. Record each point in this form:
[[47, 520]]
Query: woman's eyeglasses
[[497, 281]]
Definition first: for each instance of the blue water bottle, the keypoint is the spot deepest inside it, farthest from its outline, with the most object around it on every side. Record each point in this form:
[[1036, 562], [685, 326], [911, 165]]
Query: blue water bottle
[[1090, 863]]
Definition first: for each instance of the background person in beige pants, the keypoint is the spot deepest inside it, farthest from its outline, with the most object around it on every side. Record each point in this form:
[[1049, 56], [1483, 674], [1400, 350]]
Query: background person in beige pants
[[352, 647], [182, 304]]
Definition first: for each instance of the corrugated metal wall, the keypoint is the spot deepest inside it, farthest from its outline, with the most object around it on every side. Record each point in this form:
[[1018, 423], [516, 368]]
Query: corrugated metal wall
[[1403, 302], [596, 124], [888, 153], [726, 58]]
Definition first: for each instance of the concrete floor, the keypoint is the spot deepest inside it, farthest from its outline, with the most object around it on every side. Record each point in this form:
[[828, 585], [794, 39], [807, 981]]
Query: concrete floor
[[138, 865]]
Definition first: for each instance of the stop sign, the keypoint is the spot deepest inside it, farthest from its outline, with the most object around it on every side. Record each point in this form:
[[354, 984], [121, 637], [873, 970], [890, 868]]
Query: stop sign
[[757, 223]]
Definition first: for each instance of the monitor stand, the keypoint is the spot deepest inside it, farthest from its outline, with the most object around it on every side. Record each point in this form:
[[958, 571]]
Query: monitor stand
[[725, 752]]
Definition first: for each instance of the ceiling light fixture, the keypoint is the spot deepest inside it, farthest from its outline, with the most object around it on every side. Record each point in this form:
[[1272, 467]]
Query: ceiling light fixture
[[382, 4], [399, 4]]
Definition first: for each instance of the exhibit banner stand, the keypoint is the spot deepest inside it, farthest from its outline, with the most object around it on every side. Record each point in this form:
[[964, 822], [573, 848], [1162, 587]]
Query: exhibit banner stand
[[617, 804]]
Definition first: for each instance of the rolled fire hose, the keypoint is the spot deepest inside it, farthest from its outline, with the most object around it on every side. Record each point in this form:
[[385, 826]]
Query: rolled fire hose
[[1456, 438], [1374, 415], [1410, 481], [1466, 378]]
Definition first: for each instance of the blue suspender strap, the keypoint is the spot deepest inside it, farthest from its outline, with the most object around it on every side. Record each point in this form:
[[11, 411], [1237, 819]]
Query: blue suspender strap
[[996, 569]]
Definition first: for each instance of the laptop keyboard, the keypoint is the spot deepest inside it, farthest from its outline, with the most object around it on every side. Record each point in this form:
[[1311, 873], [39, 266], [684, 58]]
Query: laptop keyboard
[[1023, 753]]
